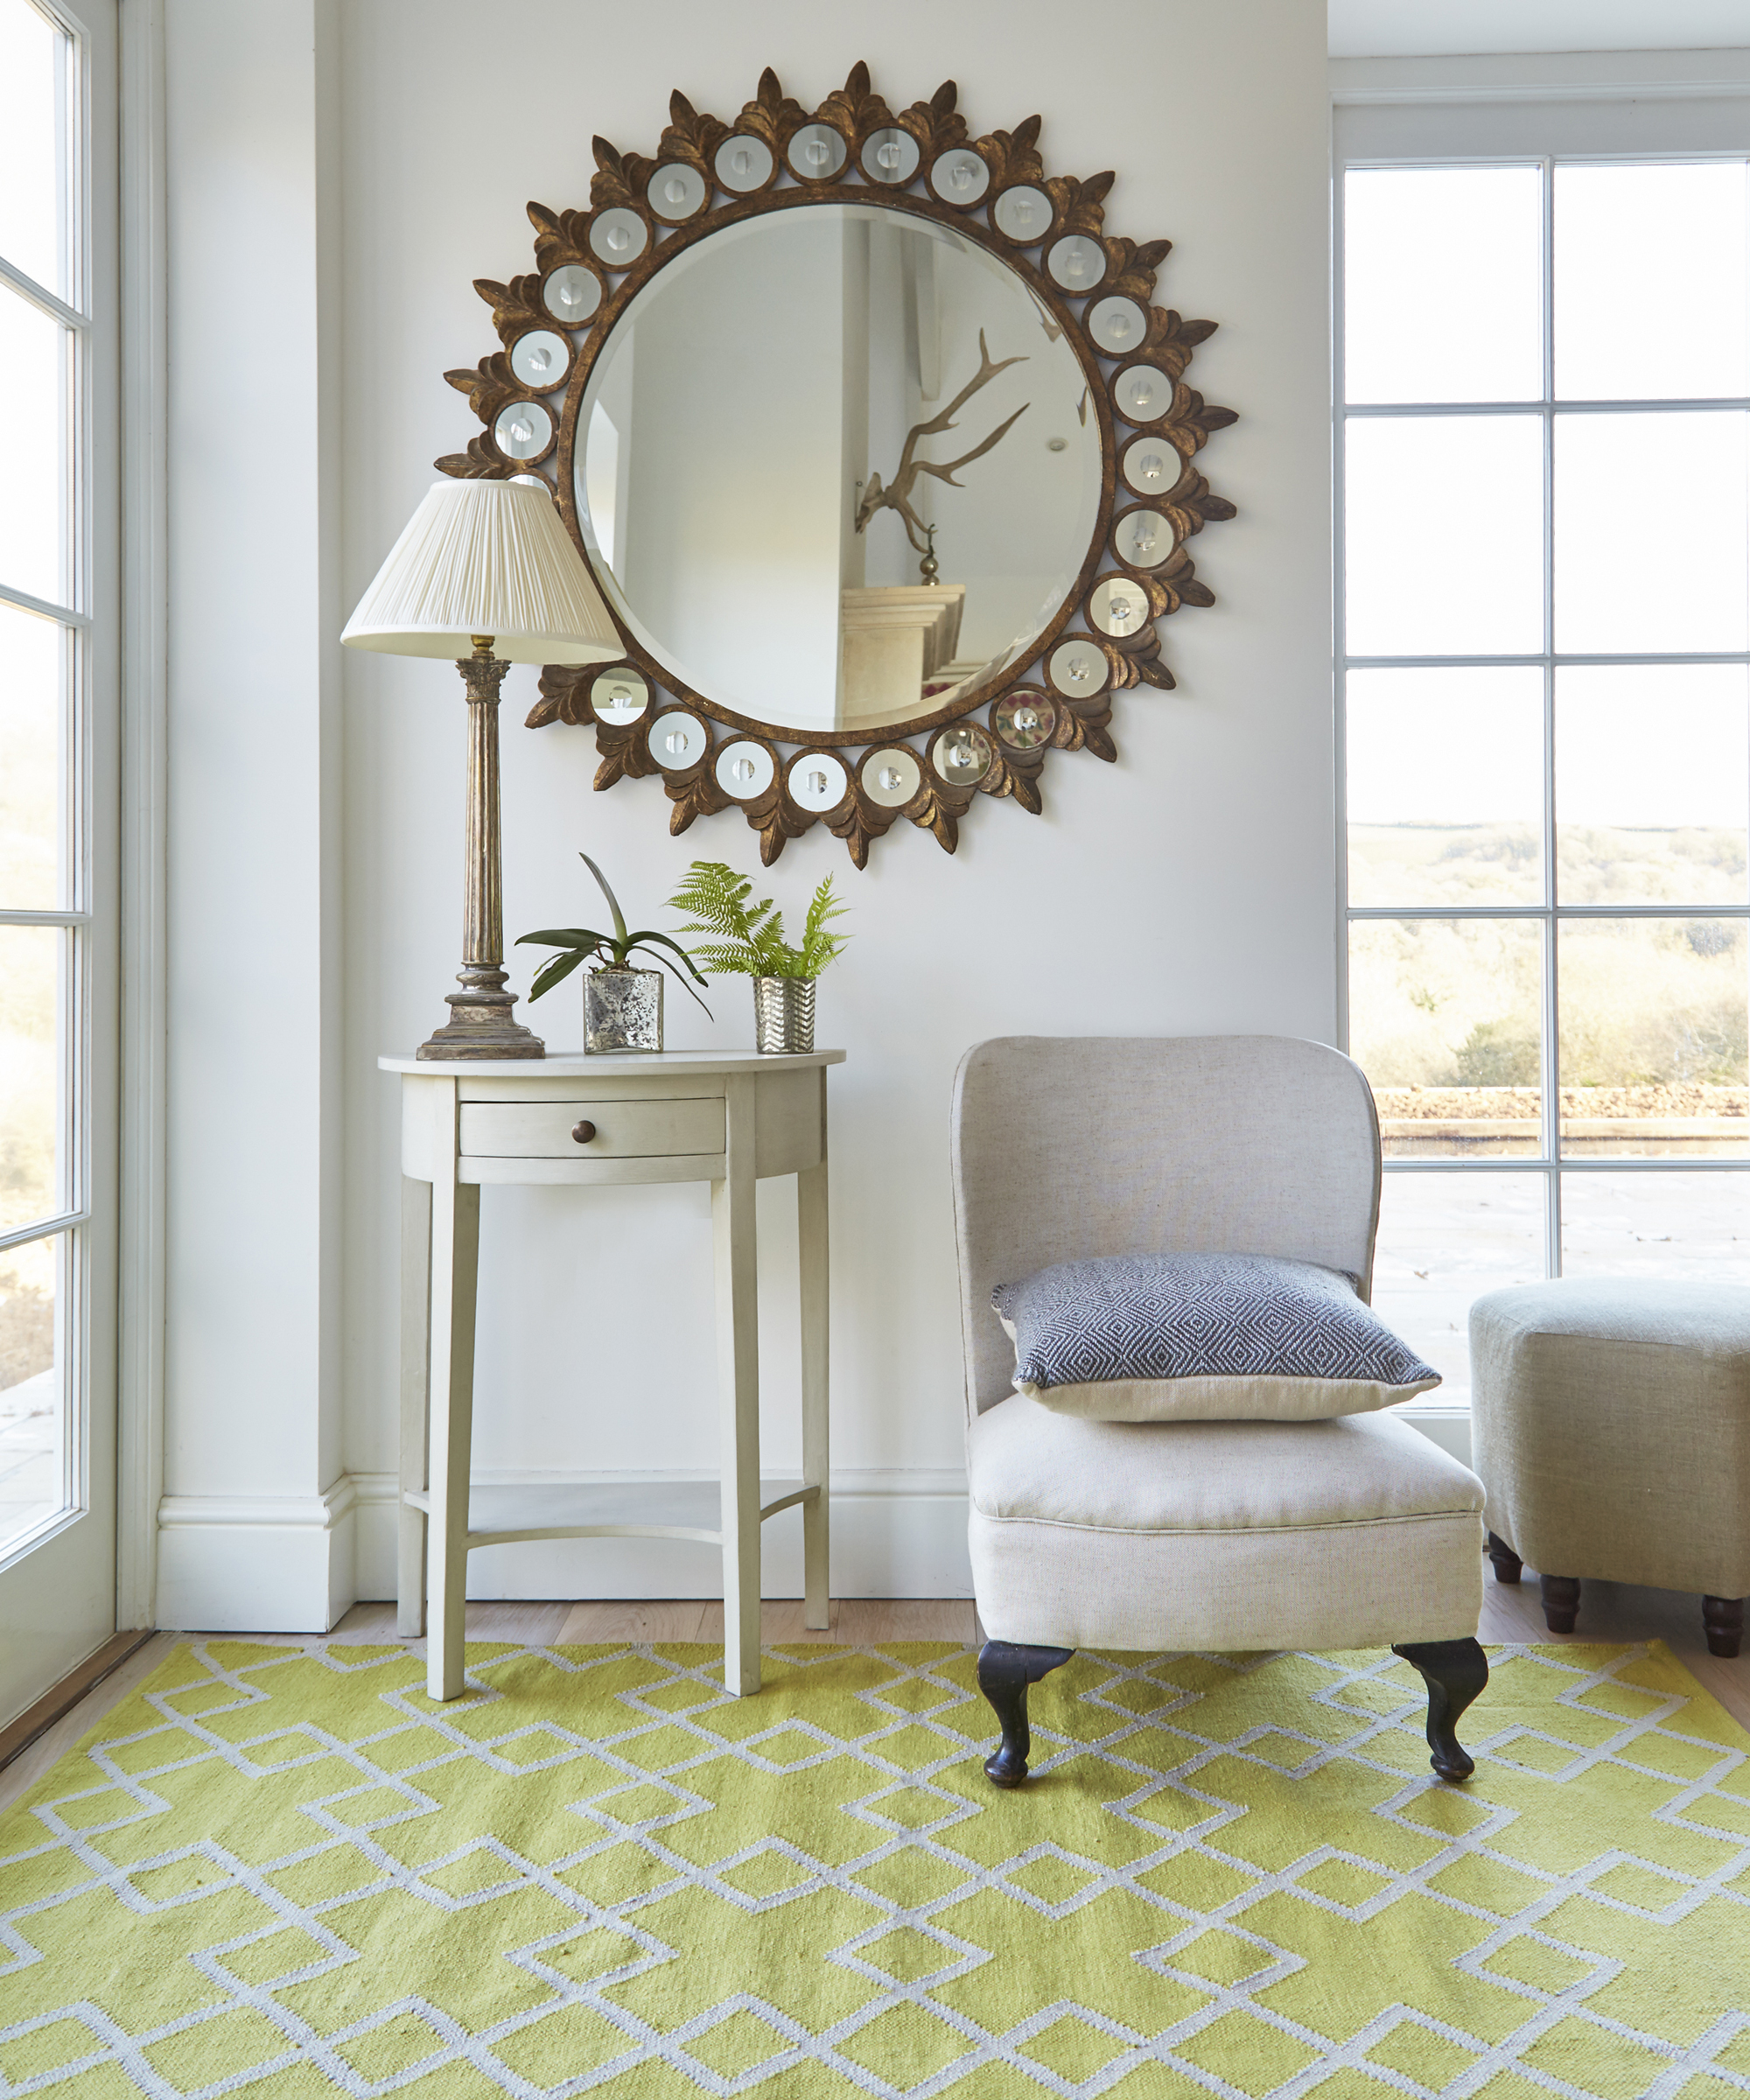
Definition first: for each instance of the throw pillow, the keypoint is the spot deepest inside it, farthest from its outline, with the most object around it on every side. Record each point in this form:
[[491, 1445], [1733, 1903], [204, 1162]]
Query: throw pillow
[[1203, 1337]]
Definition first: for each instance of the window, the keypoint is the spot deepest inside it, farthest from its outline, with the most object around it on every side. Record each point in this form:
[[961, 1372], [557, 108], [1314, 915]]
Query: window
[[47, 709], [1544, 668]]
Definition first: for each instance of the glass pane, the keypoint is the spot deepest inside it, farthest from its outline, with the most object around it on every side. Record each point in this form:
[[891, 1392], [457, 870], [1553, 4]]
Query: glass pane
[[1445, 1020], [1666, 246], [1446, 536], [32, 143], [1443, 1240], [1652, 783], [31, 877], [32, 962], [1651, 550], [34, 517], [33, 1409], [1655, 1037], [1446, 786], [1694, 1226], [1425, 250]]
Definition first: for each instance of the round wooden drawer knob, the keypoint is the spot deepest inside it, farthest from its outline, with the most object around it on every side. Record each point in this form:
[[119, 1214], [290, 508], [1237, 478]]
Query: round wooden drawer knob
[[583, 1132]]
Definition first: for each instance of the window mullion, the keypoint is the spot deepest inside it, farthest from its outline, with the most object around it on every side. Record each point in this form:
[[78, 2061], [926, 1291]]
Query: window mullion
[[1552, 1031]]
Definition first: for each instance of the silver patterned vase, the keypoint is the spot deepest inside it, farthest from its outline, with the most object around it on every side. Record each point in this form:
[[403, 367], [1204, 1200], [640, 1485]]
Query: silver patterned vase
[[784, 1015], [622, 1011]]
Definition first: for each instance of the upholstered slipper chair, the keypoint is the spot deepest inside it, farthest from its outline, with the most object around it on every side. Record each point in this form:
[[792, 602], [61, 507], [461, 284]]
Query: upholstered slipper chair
[[1340, 1530]]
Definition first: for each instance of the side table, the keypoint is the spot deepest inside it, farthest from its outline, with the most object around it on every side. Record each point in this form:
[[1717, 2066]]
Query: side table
[[726, 1117]]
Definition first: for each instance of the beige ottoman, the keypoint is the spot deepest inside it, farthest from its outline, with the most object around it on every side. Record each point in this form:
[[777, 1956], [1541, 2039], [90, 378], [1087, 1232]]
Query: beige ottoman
[[1611, 1422]]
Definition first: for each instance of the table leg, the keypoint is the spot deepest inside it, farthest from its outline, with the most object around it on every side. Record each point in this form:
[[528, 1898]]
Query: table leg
[[455, 1261], [416, 1340], [737, 1374], [811, 1240]]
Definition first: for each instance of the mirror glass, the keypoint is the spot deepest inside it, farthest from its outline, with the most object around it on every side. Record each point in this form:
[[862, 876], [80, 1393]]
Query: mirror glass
[[763, 457]]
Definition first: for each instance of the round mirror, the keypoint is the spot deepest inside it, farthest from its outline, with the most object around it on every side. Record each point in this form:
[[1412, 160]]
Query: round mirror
[[523, 430], [572, 294], [620, 695], [539, 358], [1078, 667], [892, 777], [744, 769], [677, 741], [743, 165], [1142, 539], [838, 525], [1118, 607], [618, 236], [817, 780], [1023, 719], [675, 191], [1117, 325]]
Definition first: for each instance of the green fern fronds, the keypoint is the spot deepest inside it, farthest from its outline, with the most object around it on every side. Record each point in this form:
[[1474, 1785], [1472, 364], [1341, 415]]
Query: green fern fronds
[[748, 939]]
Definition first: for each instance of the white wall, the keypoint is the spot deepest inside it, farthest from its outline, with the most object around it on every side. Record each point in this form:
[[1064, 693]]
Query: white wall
[[252, 1415], [1188, 888]]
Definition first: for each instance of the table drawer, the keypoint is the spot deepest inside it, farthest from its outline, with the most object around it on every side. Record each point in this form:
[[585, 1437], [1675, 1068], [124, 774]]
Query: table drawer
[[624, 1130]]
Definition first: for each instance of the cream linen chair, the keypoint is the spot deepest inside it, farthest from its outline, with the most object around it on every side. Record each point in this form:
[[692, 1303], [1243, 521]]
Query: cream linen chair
[[1156, 1535]]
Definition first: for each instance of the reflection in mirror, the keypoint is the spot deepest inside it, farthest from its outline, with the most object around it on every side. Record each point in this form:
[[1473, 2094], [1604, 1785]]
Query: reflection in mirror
[[742, 163], [524, 430], [760, 504], [963, 755], [1023, 719], [744, 769], [891, 778], [1078, 667], [1116, 324], [1143, 538], [818, 780], [677, 740], [572, 294], [1118, 606], [619, 696]]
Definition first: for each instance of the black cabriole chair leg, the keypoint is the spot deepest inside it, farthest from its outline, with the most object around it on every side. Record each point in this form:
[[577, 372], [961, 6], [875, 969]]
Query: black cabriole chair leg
[[1005, 1670], [1454, 1671]]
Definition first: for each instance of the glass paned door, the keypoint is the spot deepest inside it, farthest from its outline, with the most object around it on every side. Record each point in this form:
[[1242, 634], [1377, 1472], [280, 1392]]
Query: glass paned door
[[57, 842], [1545, 675]]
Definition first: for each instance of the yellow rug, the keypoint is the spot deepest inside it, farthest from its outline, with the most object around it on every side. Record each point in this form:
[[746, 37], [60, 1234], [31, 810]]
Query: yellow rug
[[282, 1871]]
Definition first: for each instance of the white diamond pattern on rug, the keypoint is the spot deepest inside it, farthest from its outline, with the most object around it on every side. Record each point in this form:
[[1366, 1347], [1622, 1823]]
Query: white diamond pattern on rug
[[280, 1870]]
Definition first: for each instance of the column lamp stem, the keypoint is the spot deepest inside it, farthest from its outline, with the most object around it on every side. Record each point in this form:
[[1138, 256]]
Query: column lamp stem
[[481, 1023]]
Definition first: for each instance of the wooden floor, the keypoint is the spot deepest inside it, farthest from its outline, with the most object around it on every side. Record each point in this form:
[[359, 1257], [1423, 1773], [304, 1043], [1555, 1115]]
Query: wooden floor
[[1609, 1612]]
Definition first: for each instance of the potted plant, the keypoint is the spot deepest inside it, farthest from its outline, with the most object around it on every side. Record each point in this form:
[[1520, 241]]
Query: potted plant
[[747, 940], [622, 1006]]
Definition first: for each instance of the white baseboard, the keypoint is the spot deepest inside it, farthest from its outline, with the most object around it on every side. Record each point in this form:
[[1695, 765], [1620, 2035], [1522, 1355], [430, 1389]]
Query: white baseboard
[[257, 1564], [294, 1564], [894, 1534]]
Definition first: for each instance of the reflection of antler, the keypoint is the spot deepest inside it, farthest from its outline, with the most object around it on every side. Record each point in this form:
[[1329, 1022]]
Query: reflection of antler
[[898, 496]]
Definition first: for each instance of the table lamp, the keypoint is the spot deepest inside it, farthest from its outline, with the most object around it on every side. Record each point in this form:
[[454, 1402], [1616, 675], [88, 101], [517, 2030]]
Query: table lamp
[[485, 566]]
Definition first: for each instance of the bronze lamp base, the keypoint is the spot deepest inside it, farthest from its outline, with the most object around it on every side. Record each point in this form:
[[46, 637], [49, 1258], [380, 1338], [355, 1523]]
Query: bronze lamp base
[[479, 1024]]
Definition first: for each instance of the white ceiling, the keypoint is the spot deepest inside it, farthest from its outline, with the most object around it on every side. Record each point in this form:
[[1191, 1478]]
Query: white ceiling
[[1427, 28]]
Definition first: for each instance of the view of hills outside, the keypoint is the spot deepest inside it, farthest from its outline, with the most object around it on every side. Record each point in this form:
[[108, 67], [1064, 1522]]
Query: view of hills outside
[[1548, 788], [1446, 1014]]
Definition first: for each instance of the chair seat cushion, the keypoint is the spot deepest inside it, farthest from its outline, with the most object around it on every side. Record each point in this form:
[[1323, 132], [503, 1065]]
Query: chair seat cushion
[[1202, 1338], [1219, 1535]]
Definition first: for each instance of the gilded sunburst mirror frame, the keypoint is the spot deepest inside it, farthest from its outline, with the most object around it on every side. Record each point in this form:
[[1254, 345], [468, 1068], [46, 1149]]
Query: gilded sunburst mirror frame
[[776, 156]]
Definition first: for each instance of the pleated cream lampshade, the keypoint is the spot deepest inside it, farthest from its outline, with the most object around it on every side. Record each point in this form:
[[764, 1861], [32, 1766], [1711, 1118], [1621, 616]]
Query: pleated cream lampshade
[[486, 557]]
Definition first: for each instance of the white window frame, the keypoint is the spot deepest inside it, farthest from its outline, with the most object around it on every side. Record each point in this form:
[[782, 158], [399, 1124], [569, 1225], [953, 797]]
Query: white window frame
[[1537, 110]]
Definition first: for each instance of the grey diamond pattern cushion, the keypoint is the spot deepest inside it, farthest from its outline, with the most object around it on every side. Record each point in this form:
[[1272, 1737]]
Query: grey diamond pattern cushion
[[1203, 1337]]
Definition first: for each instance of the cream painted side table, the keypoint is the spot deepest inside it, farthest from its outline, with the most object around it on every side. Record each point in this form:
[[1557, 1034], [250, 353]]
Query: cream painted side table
[[726, 1118]]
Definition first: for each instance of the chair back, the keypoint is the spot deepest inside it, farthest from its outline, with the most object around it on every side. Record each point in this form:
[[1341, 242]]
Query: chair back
[[1070, 1148]]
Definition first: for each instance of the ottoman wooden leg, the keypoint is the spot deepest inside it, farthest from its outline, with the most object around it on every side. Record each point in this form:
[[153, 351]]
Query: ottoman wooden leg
[[1005, 1670], [1508, 1564], [1561, 1602], [1722, 1617]]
